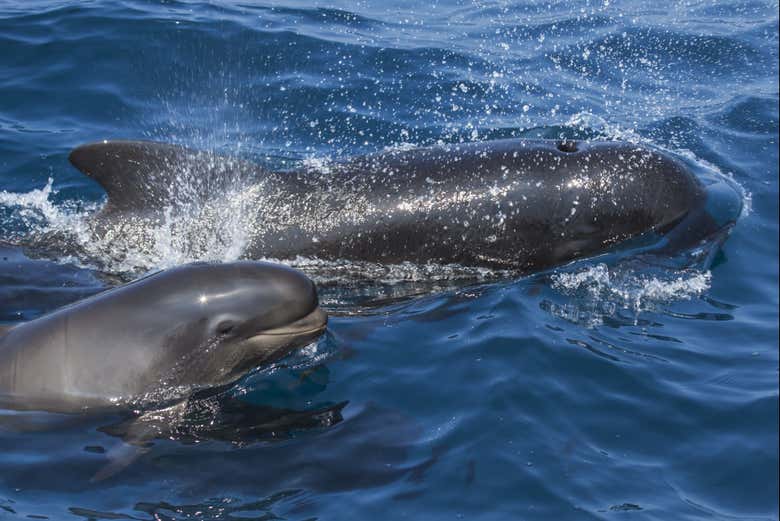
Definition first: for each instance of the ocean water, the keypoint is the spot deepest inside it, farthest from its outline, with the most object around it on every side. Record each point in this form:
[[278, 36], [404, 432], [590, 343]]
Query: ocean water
[[600, 390]]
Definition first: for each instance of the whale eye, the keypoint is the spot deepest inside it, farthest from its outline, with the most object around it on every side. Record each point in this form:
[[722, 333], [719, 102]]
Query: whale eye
[[225, 327], [567, 145]]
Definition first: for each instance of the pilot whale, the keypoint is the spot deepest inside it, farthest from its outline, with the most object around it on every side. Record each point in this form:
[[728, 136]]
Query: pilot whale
[[523, 205], [156, 341]]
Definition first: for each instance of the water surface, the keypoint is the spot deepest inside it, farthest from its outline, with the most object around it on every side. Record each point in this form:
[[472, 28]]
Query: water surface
[[597, 391]]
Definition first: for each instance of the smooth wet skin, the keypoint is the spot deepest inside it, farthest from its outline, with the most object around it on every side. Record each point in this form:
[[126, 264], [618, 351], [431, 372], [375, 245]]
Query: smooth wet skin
[[159, 338], [525, 205]]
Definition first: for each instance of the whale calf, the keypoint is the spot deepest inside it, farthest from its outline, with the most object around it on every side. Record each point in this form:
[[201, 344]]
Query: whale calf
[[157, 340], [524, 205]]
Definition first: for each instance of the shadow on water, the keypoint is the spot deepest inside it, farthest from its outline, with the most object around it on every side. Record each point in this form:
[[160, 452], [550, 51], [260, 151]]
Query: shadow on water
[[280, 455], [224, 508]]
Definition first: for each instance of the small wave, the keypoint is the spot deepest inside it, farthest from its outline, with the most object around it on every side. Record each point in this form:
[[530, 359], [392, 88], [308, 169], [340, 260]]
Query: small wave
[[179, 236], [714, 171], [35, 212], [34, 203], [587, 123], [600, 291]]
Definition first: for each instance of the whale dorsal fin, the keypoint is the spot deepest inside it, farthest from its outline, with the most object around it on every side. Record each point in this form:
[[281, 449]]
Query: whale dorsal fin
[[147, 176]]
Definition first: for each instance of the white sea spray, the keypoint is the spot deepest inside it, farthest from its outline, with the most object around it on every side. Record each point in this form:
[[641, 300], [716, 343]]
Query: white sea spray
[[599, 291]]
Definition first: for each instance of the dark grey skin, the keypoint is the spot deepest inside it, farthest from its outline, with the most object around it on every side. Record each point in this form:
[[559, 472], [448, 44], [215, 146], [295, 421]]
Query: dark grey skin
[[157, 340], [523, 205]]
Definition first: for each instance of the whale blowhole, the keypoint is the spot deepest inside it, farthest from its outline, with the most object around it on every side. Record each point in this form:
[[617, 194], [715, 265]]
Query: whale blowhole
[[567, 146]]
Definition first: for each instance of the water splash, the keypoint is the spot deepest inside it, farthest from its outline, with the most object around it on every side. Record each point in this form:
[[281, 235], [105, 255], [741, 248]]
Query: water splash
[[589, 123], [217, 231], [632, 290], [36, 212], [327, 271], [598, 292]]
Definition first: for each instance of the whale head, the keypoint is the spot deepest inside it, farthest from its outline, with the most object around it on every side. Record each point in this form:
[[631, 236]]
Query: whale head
[[216, 322]]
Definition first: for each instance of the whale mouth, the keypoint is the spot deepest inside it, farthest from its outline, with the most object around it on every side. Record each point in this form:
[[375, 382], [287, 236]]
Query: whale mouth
[[270, 345], [275, 343], [313, 323]]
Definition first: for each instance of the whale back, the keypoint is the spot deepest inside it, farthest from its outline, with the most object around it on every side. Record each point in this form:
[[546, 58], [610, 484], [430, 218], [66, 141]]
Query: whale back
[[106, 347], [521, 204]]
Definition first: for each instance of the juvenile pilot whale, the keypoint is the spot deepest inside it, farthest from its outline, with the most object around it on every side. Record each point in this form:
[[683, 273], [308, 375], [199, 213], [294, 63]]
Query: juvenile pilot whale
[[524, 205], [157, 340]]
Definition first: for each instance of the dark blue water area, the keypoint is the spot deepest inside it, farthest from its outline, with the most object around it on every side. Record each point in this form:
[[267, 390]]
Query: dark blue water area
[[602, 390]]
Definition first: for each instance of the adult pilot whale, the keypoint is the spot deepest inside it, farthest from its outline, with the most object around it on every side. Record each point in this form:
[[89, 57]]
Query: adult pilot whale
[[156, 341], [524, 205]]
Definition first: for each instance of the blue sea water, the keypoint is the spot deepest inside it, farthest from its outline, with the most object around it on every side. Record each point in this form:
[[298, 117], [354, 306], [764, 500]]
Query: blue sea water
[[596, 391]]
